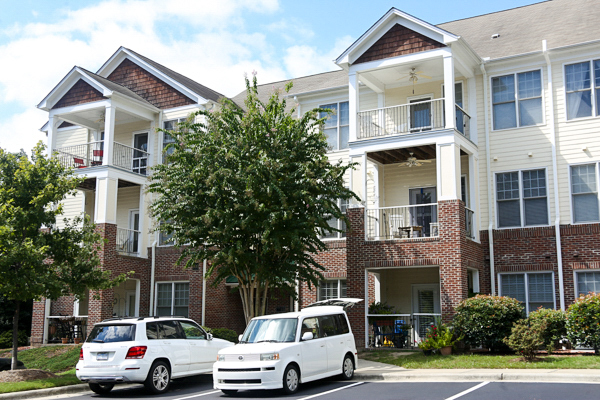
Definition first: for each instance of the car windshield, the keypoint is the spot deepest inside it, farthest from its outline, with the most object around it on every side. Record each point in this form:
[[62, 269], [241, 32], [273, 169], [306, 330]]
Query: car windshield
[[270, 330], [112, 333]]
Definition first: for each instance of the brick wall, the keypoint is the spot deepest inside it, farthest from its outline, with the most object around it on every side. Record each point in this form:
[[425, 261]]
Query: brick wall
[[81, 92], [37, 322]]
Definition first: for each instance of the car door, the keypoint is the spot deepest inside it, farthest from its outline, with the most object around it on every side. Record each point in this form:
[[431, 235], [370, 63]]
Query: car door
[[314, 351], [173, 343], [333, 342], [203, 353]]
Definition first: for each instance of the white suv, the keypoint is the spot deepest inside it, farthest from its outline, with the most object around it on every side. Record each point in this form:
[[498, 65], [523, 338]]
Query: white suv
[[284, 350], [148, 350]]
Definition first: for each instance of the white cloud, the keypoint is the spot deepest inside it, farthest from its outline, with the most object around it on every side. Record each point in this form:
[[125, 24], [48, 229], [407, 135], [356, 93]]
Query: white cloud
[[303, 60], [21, 131]]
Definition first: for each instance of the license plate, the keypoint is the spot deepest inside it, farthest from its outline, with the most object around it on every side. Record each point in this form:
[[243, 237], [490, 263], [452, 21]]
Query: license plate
[[101, 356]]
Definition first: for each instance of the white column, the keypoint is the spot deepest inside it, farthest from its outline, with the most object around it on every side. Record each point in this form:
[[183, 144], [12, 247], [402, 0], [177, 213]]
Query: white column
[[474, 193], [106, 200], [364, 175], [47, 305], [137, 298], [353, 105], [151, 144], [381, 116], [449, 103], [109, 135], [142, 248], [52, 126], [472, 109], [448, 171]]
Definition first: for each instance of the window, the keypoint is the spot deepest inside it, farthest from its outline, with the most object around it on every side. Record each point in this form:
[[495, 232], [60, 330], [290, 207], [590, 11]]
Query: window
[[581, 99], [517, 106], [192, 331], [534, 290], [337, 223], [332, 289], [526, 207], [588, 282], [337, 125], [165, 239], [584, 193], [172, 298], [170, 125]]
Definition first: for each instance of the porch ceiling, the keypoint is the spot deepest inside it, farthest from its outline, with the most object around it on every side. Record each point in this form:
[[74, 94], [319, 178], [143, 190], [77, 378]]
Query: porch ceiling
[[90, 184], [394, 156]]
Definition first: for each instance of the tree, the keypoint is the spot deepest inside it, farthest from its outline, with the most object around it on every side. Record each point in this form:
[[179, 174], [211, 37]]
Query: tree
[[251, 191], [37, 259]]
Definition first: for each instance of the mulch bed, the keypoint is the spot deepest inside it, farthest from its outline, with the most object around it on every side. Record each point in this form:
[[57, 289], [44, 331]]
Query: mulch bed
[[21, 375]]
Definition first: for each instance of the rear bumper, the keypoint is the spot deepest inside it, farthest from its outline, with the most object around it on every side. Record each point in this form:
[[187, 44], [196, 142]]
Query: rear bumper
[[104, 379], [123, 373]]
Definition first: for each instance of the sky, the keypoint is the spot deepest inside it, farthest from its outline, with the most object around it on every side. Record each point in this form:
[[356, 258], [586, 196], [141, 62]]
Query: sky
[[213, 42]]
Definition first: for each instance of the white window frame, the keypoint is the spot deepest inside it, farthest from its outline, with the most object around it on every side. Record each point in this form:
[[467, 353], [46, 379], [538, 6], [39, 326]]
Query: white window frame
[[595, 112], [162, 136], [526, 281], [597, 168], [339, 287], [576, 281], [542, 95], [338, 235], [172, 295], [339, 126], [521, 199]]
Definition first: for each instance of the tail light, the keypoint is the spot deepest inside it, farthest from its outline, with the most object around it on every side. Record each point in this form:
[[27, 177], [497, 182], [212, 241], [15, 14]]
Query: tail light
[[136, 352], [81, 353]]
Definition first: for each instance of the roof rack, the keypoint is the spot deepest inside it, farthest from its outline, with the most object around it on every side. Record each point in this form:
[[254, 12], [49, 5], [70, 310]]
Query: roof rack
[[161, 316], [117, 319]]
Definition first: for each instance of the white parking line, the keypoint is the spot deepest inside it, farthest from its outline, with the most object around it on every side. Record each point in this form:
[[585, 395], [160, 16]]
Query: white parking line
[[456, 396], [198, 395], [331, 391]]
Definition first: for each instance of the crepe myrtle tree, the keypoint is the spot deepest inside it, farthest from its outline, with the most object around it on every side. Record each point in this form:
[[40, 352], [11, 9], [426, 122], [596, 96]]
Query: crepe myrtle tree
[[36, 258], [251, 190]]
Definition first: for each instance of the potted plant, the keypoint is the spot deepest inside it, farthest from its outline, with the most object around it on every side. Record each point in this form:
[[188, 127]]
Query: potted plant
[[444, 337], [426, 346], [65, 340]]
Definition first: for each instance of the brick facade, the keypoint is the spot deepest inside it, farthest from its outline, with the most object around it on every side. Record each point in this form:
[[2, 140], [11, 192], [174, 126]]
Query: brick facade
[[81, 92]]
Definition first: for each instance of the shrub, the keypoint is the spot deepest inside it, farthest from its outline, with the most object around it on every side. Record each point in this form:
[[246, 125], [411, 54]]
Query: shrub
[[527, 335], [583, 321], [486, 320], [6, 339], [438, 335], [223, 333], [556, 326]]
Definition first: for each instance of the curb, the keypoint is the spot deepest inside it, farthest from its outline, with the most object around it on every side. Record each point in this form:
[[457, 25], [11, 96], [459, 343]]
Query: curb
[[553, 376], [31, 394]]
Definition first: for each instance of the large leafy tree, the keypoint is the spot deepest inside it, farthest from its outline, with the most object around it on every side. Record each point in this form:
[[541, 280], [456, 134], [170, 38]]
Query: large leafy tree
[[251, 190], [37, 259]]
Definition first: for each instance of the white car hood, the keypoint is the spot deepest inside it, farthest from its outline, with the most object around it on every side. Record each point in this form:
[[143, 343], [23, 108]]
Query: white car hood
[[256, 348]]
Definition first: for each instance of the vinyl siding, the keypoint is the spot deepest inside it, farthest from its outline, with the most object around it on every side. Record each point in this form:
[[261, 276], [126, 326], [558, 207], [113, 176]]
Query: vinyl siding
[[71, 208], [71, 137]]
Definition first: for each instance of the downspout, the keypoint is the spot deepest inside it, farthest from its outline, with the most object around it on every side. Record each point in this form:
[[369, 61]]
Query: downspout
[[152, 269], [489, 180], [561, 286], [204, 292]]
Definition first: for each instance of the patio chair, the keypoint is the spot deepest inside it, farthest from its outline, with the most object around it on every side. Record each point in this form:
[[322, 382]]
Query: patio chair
[[78, 162], [98, 154]]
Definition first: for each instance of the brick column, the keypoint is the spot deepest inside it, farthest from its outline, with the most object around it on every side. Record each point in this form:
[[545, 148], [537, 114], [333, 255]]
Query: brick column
[[356, 272], [38, 318]]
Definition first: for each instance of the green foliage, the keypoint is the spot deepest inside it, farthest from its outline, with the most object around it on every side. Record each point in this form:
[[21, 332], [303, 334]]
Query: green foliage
[[526, 336], [438, 335], [381, 308], [6, 338], [583, 321], [251, 190], [486, 320], [223, 333], [556, 325], [64, 379], [50, 358]]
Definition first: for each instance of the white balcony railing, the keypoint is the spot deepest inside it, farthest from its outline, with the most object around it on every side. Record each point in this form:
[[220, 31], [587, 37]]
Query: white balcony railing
[[415, 117], [128, 241], [92, 154], [402, 222]]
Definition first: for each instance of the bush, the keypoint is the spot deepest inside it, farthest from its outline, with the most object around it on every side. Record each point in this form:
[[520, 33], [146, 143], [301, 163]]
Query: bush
[[556, 326], [6, 339], [223, 333], [527, 335], [583, 321], [486, 320], [438, 335]]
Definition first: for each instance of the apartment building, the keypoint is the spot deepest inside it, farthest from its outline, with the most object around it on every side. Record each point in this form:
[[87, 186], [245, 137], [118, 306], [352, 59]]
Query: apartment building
[[477, 145]]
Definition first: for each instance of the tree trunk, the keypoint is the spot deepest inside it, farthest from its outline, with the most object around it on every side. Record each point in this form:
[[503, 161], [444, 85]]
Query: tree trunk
[[254, 300], [15, 341]]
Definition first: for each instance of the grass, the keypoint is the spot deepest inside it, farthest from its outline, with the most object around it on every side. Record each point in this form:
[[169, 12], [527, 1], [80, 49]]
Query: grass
[[467, 361], [50, 358], [64, 379]]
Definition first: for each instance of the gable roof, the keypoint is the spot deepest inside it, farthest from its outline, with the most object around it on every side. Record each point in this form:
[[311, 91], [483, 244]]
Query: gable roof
[[115, 87]]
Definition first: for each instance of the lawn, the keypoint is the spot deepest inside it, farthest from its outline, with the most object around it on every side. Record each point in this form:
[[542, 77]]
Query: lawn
[[64, 379], [418, 361]]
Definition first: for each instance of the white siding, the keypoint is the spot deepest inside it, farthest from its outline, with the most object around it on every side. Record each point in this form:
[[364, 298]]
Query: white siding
[[128, 198], [71, 137], [72, 207]]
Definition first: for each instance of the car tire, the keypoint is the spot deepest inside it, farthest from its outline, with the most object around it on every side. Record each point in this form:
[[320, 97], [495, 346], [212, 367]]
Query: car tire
[[291, 379], [101, 388], [229, 392], [159, 378], [348, 368]]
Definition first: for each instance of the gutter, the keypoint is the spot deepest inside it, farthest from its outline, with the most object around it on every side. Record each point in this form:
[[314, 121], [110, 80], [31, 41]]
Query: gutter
[[489, 181], [152, 269], [561, 285]]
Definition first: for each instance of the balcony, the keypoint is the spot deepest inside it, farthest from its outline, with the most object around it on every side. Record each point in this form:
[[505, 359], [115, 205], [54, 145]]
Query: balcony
[[92, 154], [128, 241], [403, 222], [423, 116]]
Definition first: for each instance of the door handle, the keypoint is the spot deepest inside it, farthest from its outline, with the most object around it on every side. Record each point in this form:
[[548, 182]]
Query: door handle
[[166, 342], [322, 345]]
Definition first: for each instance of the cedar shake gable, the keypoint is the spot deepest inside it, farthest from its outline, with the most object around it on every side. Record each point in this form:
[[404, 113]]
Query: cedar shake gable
[[81, 92], [398, 41], [148, 86]]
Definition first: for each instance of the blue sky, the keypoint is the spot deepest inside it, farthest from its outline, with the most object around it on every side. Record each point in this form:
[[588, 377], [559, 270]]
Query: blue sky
[[212, 42]]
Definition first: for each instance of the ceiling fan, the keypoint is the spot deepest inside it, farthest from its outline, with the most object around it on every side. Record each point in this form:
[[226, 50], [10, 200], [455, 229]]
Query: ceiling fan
[[412, 161], [413, 76]]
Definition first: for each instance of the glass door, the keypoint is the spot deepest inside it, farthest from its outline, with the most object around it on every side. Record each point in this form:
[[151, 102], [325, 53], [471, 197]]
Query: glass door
[[420, 115], [140, 158], [426, 303], [134, 227], [423, 216]]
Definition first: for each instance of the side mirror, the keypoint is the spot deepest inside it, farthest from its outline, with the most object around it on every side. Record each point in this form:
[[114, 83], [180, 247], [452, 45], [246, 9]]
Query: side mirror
[[240, 338], [209, 336], [307, 336]]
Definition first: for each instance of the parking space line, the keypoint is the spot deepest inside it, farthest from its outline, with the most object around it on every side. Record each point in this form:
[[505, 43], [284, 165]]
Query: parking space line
[[456, 396], [198, 395], [331, 391]]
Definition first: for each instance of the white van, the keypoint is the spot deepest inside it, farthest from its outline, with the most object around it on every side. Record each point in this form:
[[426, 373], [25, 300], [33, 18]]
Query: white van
[[283, 350]]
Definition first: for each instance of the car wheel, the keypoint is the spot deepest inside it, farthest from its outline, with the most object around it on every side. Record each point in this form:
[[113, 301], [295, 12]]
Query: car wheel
[[348, 368], [101, 388], [159, 378], [229, 392], [291, 379]]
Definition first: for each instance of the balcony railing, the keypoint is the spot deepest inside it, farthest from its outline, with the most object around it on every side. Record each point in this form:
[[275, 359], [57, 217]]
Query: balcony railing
[[92, 154], [469, 219], [128, 241], [414, 221], [415, 117], [399, 330]]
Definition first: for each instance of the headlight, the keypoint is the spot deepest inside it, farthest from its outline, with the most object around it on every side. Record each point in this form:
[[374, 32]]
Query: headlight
[[220, 358], [269, 357]]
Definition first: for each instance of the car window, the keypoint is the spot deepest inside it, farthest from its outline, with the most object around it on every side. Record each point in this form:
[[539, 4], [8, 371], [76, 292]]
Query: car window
[[192, 331], [171, 330], [112, 333], [342, 324], [328, 325], [311, 325], [151, 330]]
